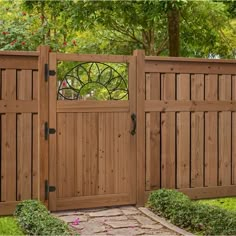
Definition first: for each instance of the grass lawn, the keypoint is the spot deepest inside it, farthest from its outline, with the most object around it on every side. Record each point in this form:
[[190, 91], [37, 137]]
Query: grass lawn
[[8, 226], [226, 203]]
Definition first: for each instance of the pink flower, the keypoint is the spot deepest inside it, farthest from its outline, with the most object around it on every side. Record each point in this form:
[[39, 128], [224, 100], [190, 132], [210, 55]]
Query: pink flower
[[76, 221], [64, 84]]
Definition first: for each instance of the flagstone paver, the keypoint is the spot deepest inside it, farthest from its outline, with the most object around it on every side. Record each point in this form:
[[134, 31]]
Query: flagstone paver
[[113, 218], [154, 226], [122, 223], [126, 231], [126, 220], [109, 212], [129, 210], [71, 218], [143, 220]]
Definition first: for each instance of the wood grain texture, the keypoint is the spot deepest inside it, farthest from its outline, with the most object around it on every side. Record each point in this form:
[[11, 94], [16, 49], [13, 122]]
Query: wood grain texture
[[183, 134], [194, 106], [168, 173], [92, 106], [8, 208], [225, 168], [43, 94], [94, 58], [53, 138], [9, 158], [19, 62], [211, 133], [233, 132], [35, 158], [140, 126], [188, 67], [24, 138], [153, 83], [197, 132]]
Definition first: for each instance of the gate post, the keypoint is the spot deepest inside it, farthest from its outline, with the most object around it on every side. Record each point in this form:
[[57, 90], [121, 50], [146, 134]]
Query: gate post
[[43, 117], [140, 54]]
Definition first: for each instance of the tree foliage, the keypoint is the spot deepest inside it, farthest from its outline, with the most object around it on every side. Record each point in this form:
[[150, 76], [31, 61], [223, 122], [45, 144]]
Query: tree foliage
[[181, 27]]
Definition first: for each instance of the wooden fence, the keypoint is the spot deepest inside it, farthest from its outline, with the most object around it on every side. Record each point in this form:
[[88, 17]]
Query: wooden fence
[[186, 126], [190, 132], [22, 115]]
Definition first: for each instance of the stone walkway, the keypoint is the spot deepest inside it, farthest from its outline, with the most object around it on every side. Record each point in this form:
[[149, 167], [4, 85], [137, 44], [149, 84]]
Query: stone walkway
[[113, 221]]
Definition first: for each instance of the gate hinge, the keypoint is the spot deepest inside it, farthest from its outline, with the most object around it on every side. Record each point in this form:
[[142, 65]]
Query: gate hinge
[[48, 130], [48, 189], [48, 72]]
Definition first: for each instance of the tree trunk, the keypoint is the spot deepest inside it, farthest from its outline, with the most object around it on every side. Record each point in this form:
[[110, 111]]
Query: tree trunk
[[173, 32]]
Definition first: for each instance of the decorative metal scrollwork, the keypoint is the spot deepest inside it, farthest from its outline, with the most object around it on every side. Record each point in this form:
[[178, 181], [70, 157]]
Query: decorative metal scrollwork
[[94, 81]]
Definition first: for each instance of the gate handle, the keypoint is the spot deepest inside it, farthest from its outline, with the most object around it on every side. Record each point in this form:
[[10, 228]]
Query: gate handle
[[134, 120]]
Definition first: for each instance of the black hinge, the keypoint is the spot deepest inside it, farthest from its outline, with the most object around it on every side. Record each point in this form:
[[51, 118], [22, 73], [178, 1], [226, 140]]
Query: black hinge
[[48, 130], [48, 189], [48, 72]]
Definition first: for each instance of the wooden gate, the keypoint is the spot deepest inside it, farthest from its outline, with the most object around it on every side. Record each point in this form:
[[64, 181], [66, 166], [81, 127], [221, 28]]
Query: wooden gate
[[92, 155]]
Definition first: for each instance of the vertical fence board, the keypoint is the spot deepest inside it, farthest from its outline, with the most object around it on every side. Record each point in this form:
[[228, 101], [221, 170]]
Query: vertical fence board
[[52, 179], [197, 132], [234, 132], [140, 55], [85, 155], [90, 120], [168, 175], [155, 137], [3, 159], [43, 94], [225, 133], [24, 137], [148, 137], [122, 157], [69, 180], [35, 80], [128, 163], [211, 133], [183, 134], [102, 153], [9, 139], [93, 132], [61, 154], [116, 168], [35, 158], [110, 151], [78, 155], [35, 134]]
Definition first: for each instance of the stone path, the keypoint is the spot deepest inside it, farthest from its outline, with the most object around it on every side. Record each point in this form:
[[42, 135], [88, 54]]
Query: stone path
[[113, 221]]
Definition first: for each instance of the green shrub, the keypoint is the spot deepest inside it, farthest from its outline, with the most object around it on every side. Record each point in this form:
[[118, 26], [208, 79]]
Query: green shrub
[[8, 226], [35, 219], [193, 216], [225, 203]]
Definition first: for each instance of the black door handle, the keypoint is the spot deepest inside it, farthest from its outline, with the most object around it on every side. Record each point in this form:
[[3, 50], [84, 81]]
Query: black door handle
[[134, 120]]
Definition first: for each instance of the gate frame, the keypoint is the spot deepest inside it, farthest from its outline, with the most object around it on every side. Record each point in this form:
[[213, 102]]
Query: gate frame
[[132, 83]]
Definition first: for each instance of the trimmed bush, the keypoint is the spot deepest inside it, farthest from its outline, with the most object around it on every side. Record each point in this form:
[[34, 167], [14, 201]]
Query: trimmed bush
[[9, 226], [193, 216], [35, 219]]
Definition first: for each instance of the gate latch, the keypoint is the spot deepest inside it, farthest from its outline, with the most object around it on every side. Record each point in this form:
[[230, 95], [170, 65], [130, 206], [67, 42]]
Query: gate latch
[[48, 130], [48, 189]]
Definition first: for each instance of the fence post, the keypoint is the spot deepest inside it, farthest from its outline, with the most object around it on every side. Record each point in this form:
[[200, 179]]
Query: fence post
[[43, 117], [140, 54]]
